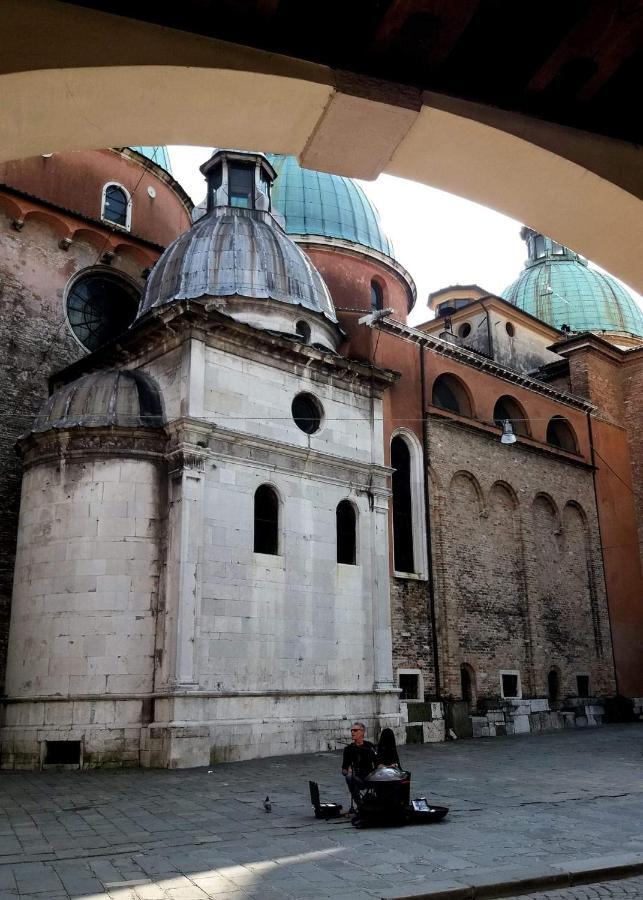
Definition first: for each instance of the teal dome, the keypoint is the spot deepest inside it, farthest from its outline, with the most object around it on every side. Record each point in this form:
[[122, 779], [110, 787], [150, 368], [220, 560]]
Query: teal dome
[[317, 204], [159, 155], [558, 287]]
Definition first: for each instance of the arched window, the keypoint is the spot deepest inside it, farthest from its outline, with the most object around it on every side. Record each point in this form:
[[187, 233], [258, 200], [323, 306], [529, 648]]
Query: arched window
[[553, 685], [449, 393], [266, 537], [117, 205], [377, 295], [100, 306], [402, 506], [507, 408], [303, 330], [346, 533], [560, 434]]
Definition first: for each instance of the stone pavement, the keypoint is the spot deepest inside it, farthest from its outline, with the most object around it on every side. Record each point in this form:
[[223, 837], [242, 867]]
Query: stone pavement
[[518, 805], [628, 889]]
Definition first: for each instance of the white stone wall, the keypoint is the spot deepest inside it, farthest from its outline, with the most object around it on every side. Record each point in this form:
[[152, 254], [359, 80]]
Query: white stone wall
[[270, 654], [249, 396], [288, 621], [84, 604]]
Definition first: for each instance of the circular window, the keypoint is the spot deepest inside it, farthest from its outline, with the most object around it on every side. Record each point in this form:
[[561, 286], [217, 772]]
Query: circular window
[[100, 306], [307, 413], [510, 329], [464, 330]]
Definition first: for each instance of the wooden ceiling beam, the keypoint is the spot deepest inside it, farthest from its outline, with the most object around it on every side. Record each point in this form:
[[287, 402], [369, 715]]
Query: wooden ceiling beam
[[453, 17]]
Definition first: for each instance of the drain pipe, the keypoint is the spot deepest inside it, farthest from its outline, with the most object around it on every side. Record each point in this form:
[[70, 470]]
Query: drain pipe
[[427, 523], [600, 537]]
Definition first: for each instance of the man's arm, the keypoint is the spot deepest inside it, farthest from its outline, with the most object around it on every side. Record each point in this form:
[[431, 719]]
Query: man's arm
[[346, 761]]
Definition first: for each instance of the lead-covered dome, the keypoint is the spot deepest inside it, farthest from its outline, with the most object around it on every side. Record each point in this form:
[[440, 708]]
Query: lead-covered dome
[[126, 399], [240, 252], [317, 204], [558, 287], [237, 249]]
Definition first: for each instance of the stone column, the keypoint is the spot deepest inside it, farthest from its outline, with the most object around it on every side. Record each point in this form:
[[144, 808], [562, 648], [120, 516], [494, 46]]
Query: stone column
[[382, 640], [183, 583]]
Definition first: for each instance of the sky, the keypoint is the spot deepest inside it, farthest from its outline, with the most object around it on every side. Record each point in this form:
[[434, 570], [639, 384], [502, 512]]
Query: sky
[[441, 239]]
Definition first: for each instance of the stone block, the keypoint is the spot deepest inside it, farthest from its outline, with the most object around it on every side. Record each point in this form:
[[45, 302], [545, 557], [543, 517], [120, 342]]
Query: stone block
[[521, 724], [437, 711], [433, 732], [539, 705]]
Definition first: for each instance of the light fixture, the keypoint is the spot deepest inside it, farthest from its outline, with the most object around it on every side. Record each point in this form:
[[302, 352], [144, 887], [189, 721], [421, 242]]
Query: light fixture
[[507, 436]]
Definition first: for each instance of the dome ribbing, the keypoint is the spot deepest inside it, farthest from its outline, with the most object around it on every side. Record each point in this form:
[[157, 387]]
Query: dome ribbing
[[558, 287], [129, 399], [318, 204]]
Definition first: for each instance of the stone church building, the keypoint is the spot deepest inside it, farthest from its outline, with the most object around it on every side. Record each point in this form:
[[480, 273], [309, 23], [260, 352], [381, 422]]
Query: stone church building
[[255, 504]]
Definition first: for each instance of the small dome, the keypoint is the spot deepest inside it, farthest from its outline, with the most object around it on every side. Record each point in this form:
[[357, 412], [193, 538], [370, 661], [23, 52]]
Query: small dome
[[558, 287], [129, 399], [236, 251], [324, 205]]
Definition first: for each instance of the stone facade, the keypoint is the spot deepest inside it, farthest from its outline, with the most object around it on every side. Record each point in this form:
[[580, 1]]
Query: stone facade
[[43, 246], [139, 592]]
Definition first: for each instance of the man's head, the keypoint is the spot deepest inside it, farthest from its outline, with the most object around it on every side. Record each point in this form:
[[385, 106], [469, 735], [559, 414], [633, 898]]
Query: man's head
[[358, 730]]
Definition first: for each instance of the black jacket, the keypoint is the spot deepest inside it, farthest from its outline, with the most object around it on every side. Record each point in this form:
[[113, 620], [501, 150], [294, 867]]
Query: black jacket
[[362, 760]]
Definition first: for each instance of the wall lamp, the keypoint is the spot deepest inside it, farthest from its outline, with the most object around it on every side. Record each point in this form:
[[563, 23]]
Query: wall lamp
[[507, 436]]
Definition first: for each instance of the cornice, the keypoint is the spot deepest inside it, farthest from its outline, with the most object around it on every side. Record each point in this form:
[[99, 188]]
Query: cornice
[[481, 363]]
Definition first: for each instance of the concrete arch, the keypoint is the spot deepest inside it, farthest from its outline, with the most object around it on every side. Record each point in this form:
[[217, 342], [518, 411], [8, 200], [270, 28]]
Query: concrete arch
[[57, 225], [100, 242], [11, 208], [471, 479], [558, 180], [503, 487], [579, 510], [549, 502], [461, 392]]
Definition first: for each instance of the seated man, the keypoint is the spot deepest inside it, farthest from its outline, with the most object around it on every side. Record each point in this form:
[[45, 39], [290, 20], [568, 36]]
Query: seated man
[[359, 760]]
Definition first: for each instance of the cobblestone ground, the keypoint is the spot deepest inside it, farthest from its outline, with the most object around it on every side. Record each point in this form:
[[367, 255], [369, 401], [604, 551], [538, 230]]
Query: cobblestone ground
[[521, 804], [631, 888]]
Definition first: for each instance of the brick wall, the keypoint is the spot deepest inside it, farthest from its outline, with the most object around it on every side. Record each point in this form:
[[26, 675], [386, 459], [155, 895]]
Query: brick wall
[[412, 633], [632, 381], [598, 378], [519, 579]]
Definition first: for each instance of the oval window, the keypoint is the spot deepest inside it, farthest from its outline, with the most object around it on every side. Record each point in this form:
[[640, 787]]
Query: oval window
[[307, 413]]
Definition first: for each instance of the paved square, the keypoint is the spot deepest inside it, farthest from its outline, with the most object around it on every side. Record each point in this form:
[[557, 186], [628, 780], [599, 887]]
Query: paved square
[[517, 804]]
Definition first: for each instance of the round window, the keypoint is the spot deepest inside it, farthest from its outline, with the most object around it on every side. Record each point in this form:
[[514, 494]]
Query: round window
[[510, 329], [100, 306], [307, 413], [464, 330]]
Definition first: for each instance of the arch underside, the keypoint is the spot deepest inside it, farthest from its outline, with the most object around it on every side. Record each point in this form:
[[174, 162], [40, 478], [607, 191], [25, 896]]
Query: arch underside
[[298, 108]]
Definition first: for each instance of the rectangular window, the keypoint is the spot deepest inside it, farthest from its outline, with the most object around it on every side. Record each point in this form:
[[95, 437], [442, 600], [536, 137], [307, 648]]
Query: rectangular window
[[582, 685], [510, 685], [241, 185], [409, 683]]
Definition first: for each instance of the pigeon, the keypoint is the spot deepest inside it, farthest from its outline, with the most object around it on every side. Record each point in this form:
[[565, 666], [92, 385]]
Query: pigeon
[[267, 805]]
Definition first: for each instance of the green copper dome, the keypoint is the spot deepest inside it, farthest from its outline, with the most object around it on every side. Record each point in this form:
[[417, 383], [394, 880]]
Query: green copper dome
[[159, 155], [322, 205], [558, 287]]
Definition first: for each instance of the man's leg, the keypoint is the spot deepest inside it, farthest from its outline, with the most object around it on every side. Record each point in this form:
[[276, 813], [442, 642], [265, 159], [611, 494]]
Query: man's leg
[[353, 783]]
